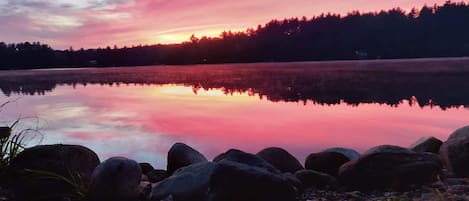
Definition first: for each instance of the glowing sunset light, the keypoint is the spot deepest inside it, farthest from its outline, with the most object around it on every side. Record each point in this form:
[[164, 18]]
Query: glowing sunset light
[[102, 23], [142, 122]]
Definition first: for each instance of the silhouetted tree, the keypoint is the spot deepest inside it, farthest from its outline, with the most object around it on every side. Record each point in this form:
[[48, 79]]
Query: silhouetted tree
[[437, 31]]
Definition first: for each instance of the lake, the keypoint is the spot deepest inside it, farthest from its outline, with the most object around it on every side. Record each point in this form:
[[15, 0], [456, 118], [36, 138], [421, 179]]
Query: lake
[[304, 107]]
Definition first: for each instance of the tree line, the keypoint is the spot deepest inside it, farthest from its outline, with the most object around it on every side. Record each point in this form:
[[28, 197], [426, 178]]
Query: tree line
[[432, 31]]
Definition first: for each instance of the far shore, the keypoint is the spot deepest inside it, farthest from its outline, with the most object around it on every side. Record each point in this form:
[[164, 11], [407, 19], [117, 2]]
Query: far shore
[[435, 65]]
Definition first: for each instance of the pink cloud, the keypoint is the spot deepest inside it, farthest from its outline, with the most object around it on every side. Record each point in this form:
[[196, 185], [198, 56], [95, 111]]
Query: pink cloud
[[91, 24]]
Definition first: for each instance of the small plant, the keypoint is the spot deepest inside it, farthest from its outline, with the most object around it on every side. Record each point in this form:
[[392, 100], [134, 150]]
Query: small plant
[[10, 145], [80, 190], [13, 142]]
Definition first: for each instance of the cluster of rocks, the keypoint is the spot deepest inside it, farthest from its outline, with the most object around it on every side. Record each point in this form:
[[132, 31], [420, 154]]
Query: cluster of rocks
[[73, 172]]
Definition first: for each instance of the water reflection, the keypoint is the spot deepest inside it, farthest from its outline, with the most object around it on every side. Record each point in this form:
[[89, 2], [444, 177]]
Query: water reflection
[[440, 83], [136, 113], [143, 122]]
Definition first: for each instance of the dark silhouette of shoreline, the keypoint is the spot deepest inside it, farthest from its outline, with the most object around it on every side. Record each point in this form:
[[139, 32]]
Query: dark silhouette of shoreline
[[438, 31], [424, 82]]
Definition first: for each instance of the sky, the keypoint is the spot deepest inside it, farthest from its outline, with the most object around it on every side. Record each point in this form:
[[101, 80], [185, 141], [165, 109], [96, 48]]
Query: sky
[[100, 23]]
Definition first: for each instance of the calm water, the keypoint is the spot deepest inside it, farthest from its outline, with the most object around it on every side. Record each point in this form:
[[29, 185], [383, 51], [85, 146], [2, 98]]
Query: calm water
[[140, 112]]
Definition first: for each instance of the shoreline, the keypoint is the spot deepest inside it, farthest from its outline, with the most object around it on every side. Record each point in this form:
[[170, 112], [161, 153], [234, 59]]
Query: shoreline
[[427, 170], [345, 61]]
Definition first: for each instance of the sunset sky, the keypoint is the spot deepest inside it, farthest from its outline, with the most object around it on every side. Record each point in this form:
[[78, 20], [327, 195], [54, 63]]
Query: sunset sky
[[100, 23]]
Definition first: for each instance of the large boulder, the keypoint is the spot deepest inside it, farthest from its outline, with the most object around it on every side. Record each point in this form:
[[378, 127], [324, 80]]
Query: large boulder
[[311, 178], [455, 153], [280, 159], [233, 181], [327, 162], [181, 155], [187, 184], [389, 167], [219, 157], [238, 156], [427, 144], [36, 173], [117, 178], [459, 133], [146, 167], [157, 175], [349, 153]]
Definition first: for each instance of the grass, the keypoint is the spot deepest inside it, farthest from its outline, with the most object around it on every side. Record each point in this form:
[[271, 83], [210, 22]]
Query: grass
[[13, 139], [79, 191], [12, 143]]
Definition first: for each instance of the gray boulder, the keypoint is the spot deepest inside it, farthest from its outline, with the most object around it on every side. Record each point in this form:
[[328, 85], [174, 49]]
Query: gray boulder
[[155, 176], [427, 144], [233, 181], [219, 157], [146, 167], [248, 159], [280, 159], [455, 153], [187, 184], [181, 155], [117, 178], [327, 162], [30, 171], [311, 178], [349, 153], [389, 167]]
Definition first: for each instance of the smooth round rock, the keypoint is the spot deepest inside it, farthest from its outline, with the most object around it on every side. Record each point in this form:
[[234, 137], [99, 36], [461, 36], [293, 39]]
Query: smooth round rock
[[389, 167], [219, 157], [155, 176], [189, 183], [238, 156], [349, 153], [181, 155], [280, 159], [73, 162], [117, 178], [327, 162], [427, 144], [311, 178], [455, 152], [232, 181], [146, 167]]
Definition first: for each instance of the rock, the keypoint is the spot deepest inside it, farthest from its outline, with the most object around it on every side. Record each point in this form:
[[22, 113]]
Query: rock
[[461, 132], [146, 167], [233, 181], [389, 166], [5, 132], [144, 190], [31, 170], [181, 155], [117, 178], [455, 154], [311, 178], [249, 159], [280, 159], [157, 175], [349, 153], [327, 162], [292, 180], [187, 184], [427, 144], [219, 157]]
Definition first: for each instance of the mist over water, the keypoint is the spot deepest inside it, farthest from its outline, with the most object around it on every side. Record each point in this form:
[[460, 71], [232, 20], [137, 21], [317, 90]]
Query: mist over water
[[139, 112]]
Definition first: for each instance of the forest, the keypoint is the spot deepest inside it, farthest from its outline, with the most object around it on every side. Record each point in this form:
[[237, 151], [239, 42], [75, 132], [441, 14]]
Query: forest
[[431, 31]]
